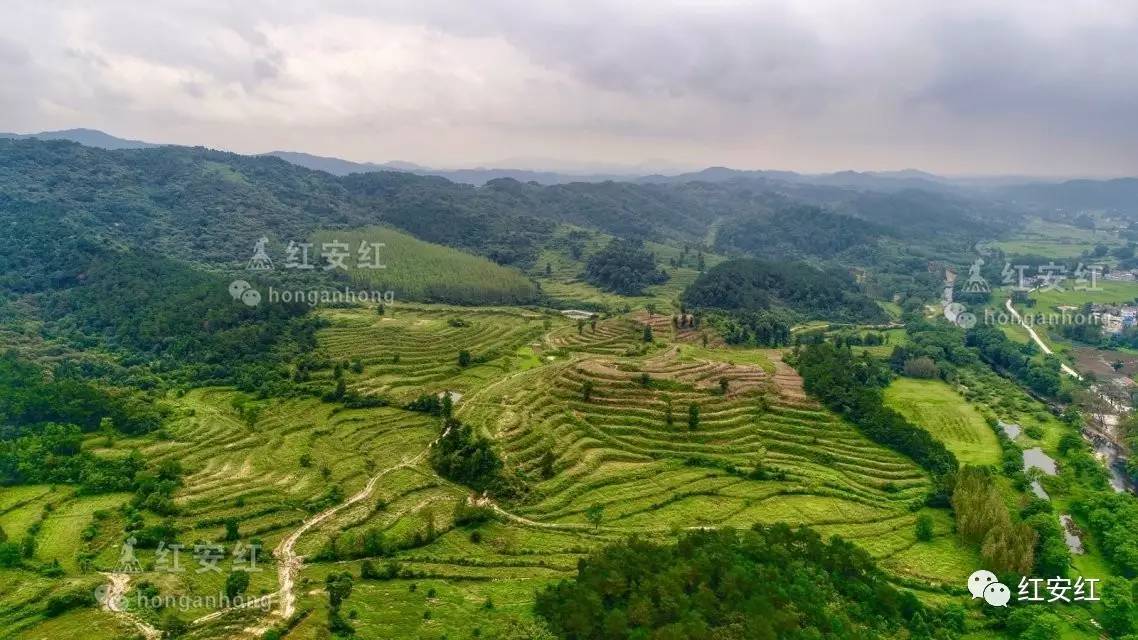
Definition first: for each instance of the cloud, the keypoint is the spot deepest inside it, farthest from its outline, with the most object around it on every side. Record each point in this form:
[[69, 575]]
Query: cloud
[[966, 87]]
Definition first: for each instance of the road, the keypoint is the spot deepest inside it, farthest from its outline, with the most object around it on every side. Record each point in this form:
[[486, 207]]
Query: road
[[1038, 341], [1109, 454]]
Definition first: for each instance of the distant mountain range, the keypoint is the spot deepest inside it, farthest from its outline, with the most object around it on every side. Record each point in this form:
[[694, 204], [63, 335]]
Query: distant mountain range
[[478, 176], [1118, 194], [87, 137]]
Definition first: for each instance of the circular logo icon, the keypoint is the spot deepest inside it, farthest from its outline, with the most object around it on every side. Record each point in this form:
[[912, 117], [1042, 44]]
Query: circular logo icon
[[251, 297], [102, 593], [997, 594], [966, 320], [953, 309], [979, 580], [238, 287]]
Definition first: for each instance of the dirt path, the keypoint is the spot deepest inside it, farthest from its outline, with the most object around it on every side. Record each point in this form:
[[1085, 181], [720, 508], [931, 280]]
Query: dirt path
[[487, 502], [114, 601], [1038, 341], [290, 563]]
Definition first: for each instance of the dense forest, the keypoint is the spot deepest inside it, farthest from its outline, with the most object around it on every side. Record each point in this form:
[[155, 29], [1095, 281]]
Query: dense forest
[[796, 232], [45, 417], [767, 582], [625, 267], [167, 316], [210, 206], [757, 285]]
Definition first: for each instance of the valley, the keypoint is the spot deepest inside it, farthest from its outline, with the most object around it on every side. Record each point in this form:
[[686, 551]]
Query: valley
[[525, 400]]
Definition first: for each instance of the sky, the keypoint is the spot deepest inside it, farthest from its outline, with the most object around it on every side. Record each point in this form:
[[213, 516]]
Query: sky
[[1028, 87]]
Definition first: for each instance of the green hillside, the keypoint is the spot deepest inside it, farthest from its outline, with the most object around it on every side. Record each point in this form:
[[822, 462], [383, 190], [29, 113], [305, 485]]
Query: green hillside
[[418, 270]]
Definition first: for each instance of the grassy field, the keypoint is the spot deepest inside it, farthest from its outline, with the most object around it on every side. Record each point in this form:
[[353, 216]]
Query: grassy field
[[417, 270], [1059, 241], [1107, 292], [936, 407]]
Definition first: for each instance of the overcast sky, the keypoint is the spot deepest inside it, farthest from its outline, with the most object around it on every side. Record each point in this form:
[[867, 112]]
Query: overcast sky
[[1029, 87]]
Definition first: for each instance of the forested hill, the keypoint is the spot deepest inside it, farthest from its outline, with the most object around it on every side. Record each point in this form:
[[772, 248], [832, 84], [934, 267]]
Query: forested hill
[[757, 285], [210, 206]]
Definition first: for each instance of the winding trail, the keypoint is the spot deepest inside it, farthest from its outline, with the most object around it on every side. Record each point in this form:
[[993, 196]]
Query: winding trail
[[115, 599], [1039, 341], [290, 563], [485, 501]]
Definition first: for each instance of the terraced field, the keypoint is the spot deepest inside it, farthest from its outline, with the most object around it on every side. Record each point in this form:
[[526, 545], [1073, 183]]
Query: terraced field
[[614, 336], [313, 480], [414, 349], [618, 449]]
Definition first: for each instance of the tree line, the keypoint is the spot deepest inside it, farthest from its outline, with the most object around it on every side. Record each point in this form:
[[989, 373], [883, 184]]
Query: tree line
[[852, 386]]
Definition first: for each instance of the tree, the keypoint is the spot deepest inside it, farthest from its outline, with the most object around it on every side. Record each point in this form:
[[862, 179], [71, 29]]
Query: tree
[[982, 516], [693, 416], [1118, 608], [668, 418], [723, 385], [546, 464], [924, 527], [231, 532], [580, 326], [464, 456], [587, 390], [172, 625], [595, 514], [922, 367], [236, 583], [463, 358], [647, 333], [624, 267], [339, 587], [9, 554]]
